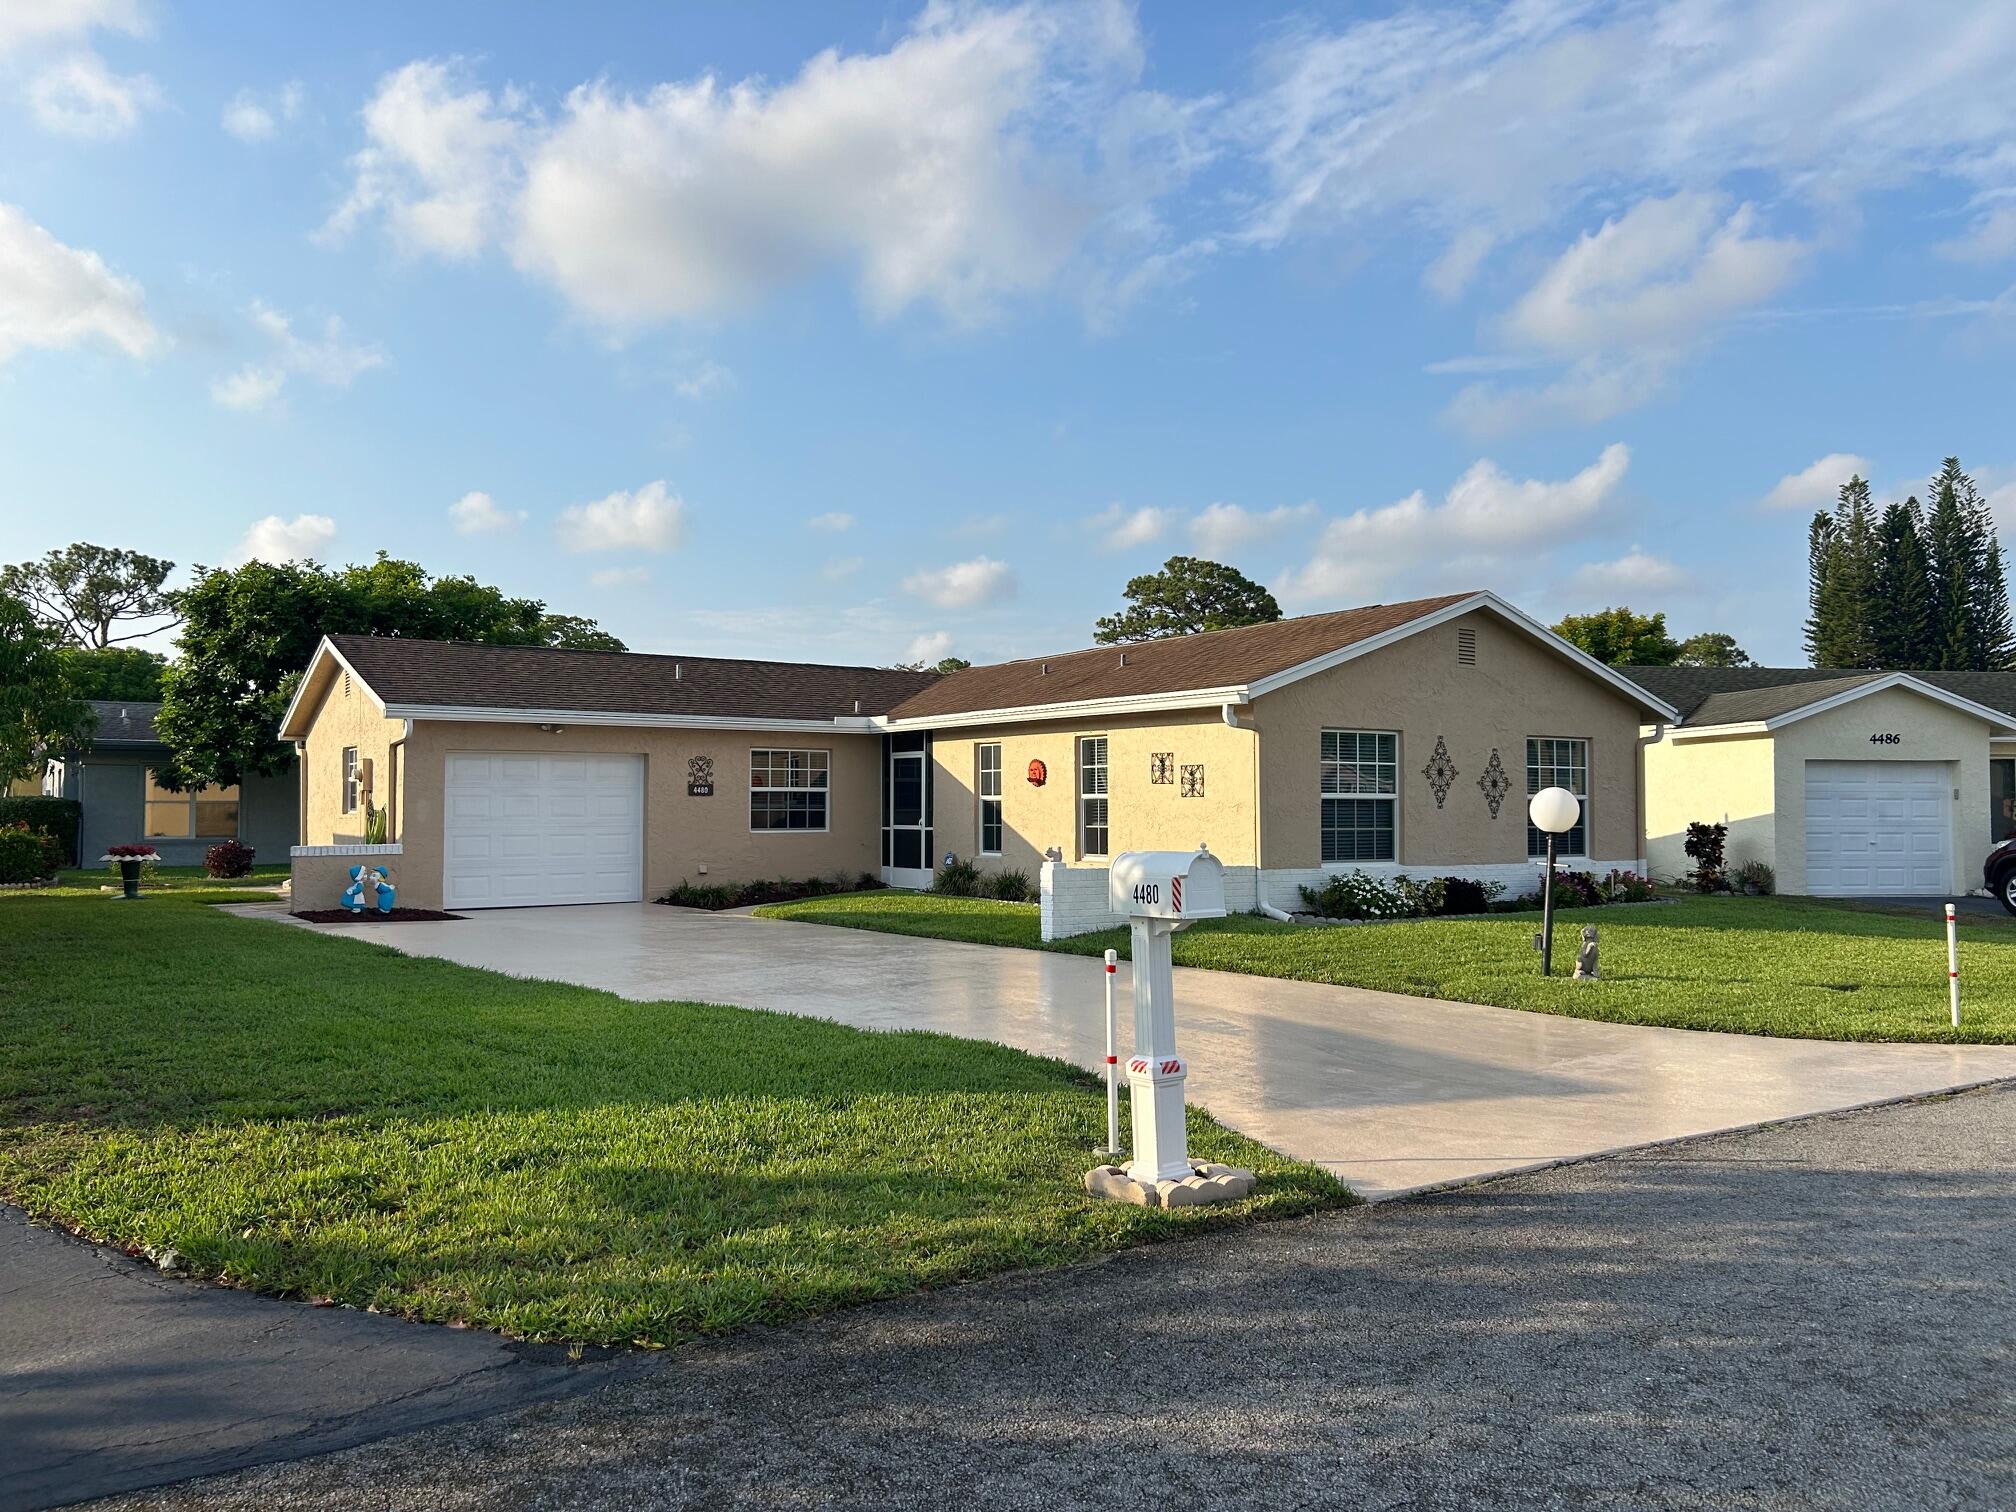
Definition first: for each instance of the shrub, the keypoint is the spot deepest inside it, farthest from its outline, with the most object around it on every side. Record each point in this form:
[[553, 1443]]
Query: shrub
[[1705, 844], [1757, 877], [229, 859], [1572, 889], [28, 855], [957, 879], [1462, 896], [58, 816], [1628, 887], [375, 825], [1012, 887], [719, 895], [1354, 895]]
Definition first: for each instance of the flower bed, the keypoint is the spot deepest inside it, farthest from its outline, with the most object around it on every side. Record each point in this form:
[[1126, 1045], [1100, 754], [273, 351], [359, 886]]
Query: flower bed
[[716, 896], [372, 916]]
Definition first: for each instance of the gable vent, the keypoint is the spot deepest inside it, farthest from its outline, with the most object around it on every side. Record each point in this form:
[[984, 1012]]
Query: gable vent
[[1466, 648], [346, 684]]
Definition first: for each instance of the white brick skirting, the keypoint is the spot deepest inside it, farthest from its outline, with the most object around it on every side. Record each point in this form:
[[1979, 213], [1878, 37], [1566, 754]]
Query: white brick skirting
[[1074, 898], [299, 851]]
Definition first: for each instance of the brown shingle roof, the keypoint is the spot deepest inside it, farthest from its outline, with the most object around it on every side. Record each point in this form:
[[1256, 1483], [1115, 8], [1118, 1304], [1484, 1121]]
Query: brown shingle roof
[[463, 675], [1710, 695], [1211, 659]]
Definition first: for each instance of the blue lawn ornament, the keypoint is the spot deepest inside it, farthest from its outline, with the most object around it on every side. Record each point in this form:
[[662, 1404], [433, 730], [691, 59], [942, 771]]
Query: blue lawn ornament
[[379, 881]]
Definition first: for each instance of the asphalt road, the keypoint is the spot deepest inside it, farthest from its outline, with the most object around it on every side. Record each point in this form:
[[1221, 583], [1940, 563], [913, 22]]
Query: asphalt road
[[1815, 1315]]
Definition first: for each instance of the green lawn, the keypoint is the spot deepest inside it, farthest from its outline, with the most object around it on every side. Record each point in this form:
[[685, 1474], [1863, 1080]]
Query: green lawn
[[323, 1117], [1784, 966], [89, 881]]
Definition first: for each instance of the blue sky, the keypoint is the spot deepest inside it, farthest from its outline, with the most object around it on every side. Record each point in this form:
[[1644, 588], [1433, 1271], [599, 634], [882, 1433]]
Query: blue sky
[[868, 332]]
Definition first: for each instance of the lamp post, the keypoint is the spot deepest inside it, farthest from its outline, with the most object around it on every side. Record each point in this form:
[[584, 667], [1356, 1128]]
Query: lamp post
[[1553, 811]]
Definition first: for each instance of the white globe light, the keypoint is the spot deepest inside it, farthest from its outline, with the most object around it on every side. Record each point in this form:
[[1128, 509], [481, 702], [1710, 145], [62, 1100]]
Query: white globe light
[[1554, 810]]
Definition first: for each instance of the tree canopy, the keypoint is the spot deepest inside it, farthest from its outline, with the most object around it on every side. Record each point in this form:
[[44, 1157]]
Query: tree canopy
[[39, 711], [1621, 637], [114, 672], [87, 593], [248, 633], [1189, 594], [1913, 588], [1712, 648]]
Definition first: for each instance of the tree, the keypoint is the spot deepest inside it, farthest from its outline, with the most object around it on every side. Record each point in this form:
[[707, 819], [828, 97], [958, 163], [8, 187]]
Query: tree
[[1621, 638], [1189, 594], [1841, 632], [1712, 648], [38, 710], [944, 664], [570, 632], [1953, 565], [1901, 622], [248, 634], [86, 591], [118, 672], [1819, 555]]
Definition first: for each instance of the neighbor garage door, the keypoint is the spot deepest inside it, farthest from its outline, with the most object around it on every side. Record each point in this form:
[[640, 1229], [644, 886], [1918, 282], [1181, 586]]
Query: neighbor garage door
[[1876, 828], [523, 830]]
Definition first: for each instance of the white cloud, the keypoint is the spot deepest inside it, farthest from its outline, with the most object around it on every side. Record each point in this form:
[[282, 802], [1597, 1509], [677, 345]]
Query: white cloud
[[53, 296], [974, 161], [841, 568], [834, 519], [929, 648], [333, 360], [1456, 269], [1122, 529], [704, 380], [25, 23], [476, 513], [1637, 571], [304, 538], [252, 387], [963, 585], [650, 519], [620, 577], [1221, 529], [441, 163], [1992, 238], [1486, 524], [1623, 307], [79, 96], [253, 116], [1818, 483]]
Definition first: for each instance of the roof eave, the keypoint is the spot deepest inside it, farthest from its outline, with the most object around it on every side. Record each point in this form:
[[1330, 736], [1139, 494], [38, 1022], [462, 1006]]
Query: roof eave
[[1133, 703], [485, 714]]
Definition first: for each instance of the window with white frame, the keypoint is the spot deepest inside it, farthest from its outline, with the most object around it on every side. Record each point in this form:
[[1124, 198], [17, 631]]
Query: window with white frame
[[1552, 761], [787, 789], [202, 813], [1092, 811], [1360, 793], [987, 788], [349, 779]]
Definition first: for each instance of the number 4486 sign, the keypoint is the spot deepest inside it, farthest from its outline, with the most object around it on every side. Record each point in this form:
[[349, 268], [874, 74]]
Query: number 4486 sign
[[1886, 737]]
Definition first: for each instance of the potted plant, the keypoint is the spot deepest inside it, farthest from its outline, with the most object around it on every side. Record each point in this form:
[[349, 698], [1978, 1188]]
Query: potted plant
[[130, 858]]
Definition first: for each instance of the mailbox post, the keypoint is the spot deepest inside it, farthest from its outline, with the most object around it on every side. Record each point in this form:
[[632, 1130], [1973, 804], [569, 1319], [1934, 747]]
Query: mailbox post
[[1160, 892]]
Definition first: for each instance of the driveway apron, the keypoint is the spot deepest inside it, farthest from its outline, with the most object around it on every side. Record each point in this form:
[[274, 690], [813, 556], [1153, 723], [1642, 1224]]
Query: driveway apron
[[1392, 1093]]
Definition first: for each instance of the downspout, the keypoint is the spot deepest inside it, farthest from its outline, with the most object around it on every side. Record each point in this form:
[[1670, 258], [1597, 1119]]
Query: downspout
[[1229, 712], [395, 761], [300, 792]]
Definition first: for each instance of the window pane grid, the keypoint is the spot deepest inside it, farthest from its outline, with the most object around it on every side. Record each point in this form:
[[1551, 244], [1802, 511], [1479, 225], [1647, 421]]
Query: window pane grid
[[200, 814], [987, 784], [1360, 783], [1553, 761], [787, 789], [1092, 798]]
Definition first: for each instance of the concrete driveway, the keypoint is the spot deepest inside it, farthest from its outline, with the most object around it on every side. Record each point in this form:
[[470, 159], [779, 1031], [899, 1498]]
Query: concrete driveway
[[1391, 1093]]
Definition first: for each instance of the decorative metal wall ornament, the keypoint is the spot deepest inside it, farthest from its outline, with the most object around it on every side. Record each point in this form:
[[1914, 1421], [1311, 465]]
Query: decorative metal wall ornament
[[1193, 781], [1162, 767], [1441, 771], [699, 776], [1495, 783]]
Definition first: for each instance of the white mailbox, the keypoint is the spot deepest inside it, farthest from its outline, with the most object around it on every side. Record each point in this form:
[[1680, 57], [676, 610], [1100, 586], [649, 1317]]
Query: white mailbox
[[1160, 892], [1175, 885]]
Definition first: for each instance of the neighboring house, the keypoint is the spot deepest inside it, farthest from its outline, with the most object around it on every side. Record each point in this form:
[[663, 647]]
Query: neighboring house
[[125, 805], [1389, 738], [1845, 783]]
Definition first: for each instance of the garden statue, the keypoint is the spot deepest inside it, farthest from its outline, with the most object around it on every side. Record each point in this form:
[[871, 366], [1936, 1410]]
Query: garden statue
[[1585, 958], [375, 878]]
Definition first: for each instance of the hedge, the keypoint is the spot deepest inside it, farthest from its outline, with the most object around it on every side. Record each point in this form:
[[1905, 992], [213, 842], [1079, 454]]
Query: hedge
[[59, 816]]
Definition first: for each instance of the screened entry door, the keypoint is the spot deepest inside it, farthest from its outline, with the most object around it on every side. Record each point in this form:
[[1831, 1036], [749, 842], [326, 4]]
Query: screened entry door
[[906, 837]]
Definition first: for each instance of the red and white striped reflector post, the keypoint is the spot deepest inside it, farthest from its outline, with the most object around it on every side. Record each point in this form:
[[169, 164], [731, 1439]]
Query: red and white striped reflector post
[[1953, 963], [1112, 1059]]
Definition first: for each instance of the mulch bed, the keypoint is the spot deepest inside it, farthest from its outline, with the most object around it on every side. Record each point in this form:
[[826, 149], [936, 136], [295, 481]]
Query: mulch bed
[[372, 916]]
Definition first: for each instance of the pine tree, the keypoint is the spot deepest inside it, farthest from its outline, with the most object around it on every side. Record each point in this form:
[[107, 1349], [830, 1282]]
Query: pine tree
[[1903, 636], [1952, 559], [1819, 561], [1989, 599]]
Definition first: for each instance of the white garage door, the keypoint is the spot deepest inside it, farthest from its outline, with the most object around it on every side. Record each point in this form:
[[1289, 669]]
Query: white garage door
[[1877, 828], [525, 830]]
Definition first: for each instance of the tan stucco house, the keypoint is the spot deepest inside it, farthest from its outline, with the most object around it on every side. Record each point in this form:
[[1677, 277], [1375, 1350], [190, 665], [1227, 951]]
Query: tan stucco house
[[1844, 783], [1395, 737]]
